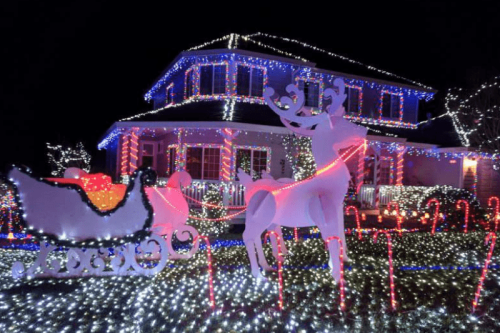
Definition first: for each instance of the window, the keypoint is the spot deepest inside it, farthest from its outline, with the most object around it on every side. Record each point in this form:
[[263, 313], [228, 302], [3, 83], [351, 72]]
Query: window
[[203, 163], [147, 154], [311, 90], [250, 81], [189, 83], [386, 172], [213, 79], [169, 98], [390, 105], [352, 103], [252, 161], [172, 155]]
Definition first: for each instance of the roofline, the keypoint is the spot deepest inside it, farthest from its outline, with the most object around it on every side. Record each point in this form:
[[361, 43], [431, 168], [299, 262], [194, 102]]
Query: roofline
[[365, 78]]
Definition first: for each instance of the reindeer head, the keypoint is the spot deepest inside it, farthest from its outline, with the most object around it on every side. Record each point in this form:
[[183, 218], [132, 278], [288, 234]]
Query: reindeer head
[[330, 127]]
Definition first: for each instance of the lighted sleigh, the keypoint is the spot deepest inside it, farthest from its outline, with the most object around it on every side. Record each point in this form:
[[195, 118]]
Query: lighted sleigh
[[117, 241]]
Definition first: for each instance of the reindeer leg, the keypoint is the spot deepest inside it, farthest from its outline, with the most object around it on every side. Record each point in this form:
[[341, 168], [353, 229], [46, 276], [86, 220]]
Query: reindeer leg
[[250, 245], [341, 232], [284, 251]]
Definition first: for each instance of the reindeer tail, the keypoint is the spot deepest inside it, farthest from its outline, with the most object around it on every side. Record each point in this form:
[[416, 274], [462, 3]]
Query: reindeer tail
[[245, 179]]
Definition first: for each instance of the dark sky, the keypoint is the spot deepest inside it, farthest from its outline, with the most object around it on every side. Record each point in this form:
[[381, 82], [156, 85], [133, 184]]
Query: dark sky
[[71, 68]]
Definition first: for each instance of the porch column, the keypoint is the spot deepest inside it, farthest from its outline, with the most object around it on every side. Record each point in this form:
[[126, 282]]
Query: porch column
[[124, 155], [134, 151], [378, 178], [180, 156], [228, 164], [361, 170], [399, 165]]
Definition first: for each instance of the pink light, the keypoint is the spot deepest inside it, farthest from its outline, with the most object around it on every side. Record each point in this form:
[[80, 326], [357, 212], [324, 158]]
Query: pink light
[[356, 213], [391, 270], [210, 273], [436, 213], [490, 202], [341, 259], [466, 205], [493, 238], [280, 268]]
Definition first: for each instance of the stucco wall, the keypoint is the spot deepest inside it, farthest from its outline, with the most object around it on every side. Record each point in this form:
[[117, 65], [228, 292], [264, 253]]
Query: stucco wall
[[429, 171]]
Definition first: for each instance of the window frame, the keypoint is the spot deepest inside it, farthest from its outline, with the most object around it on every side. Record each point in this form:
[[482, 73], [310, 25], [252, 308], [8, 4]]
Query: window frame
[[203, 147], [170, 88], [399, 116], [172, 167], [226, 80], [190, 72], [390, 160], [142, 143], [252, 67], [321, 89], [252, 149], [360, 99]]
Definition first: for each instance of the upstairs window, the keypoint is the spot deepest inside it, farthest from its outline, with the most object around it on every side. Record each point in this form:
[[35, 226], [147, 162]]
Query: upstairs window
[[169, 98], [189, 83], [352, 103], [213, 79], [312, 89], [203, 163], [250, 81], [390, 105]]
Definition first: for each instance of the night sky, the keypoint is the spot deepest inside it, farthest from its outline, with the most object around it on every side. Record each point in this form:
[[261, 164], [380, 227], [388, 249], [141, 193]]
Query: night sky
[[72, 68]]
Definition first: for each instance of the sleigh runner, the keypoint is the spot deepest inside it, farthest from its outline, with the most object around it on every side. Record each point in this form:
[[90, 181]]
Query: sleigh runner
[[113, 242]]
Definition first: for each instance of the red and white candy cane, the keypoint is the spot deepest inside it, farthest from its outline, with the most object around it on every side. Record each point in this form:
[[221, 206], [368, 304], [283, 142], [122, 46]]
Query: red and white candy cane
[[280, 268], [341, 258], [436, 213], [356, 213], [465, 203], [493, 238], [490, 202], [210, 272], [391, 270]]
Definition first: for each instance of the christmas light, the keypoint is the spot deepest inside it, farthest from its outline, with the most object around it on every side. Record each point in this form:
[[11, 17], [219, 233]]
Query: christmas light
[[436, 213], [356, 214], [497, 206], [466, 206], [280, 268], [391, 271], [210, 273]]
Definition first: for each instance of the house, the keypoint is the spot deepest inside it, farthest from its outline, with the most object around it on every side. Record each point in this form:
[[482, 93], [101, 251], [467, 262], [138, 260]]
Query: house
[[209, 117]]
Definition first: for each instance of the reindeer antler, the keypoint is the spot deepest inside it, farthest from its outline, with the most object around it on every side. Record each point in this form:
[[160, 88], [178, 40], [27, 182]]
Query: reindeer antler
[[335, 109], [294, 107]]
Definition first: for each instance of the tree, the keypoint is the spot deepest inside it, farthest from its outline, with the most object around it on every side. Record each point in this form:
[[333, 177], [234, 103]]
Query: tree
[[476, 116], [212, 208], [299, 155], [62, 158]]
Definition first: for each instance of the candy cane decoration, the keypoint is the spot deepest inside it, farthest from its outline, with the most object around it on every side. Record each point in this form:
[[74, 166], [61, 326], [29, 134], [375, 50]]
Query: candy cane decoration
[[357, 218], [436, 213], [490, 202], [466, 205], [341, 258], [280, 268], [210, 273], [399, 218], [493, 238], [296, 234], [391, 270]]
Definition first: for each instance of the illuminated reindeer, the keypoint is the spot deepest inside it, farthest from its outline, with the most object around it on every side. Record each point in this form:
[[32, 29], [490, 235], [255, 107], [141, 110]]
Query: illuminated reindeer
[[315, 201]]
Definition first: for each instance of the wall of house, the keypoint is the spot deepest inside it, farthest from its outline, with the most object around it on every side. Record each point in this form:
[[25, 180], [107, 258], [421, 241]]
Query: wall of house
[[112, 155], [488, 181], [430, 171], [279, 78]]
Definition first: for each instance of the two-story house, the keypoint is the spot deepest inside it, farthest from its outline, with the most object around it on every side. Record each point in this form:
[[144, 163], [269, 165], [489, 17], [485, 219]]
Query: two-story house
[[209, 117]]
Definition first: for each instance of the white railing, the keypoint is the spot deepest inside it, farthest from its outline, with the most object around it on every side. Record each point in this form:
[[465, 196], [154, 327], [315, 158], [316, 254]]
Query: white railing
[[233, 194], [387, 194]]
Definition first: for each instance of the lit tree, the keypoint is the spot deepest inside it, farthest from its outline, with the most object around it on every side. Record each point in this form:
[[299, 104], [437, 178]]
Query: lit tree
[[299, 155], [213, 197], [62, 158], [476, 116]]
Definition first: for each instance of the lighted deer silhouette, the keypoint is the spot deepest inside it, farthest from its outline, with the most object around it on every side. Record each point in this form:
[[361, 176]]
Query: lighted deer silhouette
[[315, 201]]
